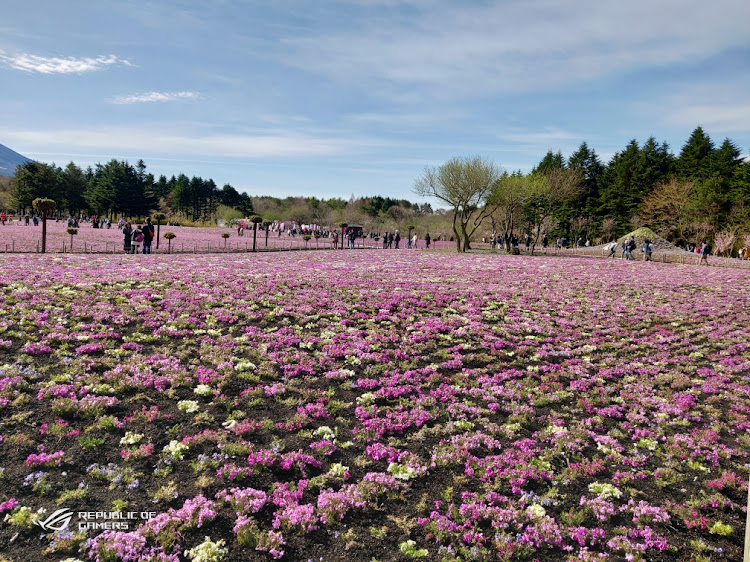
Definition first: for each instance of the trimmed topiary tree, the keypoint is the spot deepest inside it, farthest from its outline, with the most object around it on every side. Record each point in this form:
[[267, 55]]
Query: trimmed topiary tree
[[169, 236], [72, 232], [343, 226], [256, 220], [45, 207], [409, 228]]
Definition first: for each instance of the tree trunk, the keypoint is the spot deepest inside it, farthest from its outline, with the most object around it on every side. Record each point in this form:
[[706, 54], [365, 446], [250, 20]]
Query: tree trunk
[[465, 235], [456, 234], [44, 233]]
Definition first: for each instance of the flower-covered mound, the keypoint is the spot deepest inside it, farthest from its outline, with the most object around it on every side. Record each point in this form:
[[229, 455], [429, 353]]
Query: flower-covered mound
[[373, 405]]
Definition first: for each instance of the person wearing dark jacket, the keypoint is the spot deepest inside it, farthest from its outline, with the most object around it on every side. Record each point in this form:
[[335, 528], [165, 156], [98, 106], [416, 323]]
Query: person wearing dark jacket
[[127, 233], [148, 235]]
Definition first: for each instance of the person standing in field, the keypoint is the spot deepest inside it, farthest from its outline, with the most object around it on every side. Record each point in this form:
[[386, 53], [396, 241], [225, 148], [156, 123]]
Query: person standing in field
[[396, 239], [648, 249], [127, 233], [627, 249], [148, 236], [703, 254], [137, 239], [427, 240], [414, 240]]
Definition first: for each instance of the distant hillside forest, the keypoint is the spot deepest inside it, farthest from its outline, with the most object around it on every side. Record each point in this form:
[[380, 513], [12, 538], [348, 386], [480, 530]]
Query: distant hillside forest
[[694, 195]]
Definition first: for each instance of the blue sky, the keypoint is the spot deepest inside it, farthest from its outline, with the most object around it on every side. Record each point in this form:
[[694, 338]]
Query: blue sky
[[333, 98]]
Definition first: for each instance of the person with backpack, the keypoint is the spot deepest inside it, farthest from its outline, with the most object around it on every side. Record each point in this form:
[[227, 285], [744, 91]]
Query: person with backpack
[[137, 239], [148, 235], [648, 249], [627, 248], [703, 254]]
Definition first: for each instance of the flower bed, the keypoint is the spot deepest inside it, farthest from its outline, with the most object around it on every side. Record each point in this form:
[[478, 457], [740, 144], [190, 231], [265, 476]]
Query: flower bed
[[360, 405], [20, 238]]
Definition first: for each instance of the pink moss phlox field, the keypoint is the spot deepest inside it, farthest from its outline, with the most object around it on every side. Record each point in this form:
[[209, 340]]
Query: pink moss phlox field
[[338, 405], [21, 238]]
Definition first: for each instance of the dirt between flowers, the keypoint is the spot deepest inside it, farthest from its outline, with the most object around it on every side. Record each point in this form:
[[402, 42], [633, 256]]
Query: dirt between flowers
[[500, 362]]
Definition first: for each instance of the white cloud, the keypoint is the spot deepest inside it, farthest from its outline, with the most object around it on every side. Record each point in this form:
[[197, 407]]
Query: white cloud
[[449, 48], [154, 96], [721, 107], [55, 65], [153, 141], [725, 117]]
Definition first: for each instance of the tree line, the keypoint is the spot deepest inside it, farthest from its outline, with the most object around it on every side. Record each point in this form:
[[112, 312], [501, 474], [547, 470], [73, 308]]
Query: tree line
[[687, 197], [119, 188], [693, 195]]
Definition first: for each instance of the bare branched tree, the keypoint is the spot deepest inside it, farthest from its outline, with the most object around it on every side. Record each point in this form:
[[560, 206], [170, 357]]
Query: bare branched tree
[[465, 184], [666, 209], [608, 228], [549, 190], [509, 195], [723, 243]]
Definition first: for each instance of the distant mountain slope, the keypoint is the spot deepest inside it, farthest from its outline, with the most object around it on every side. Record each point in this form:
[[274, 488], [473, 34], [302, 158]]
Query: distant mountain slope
[[9, 159]]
